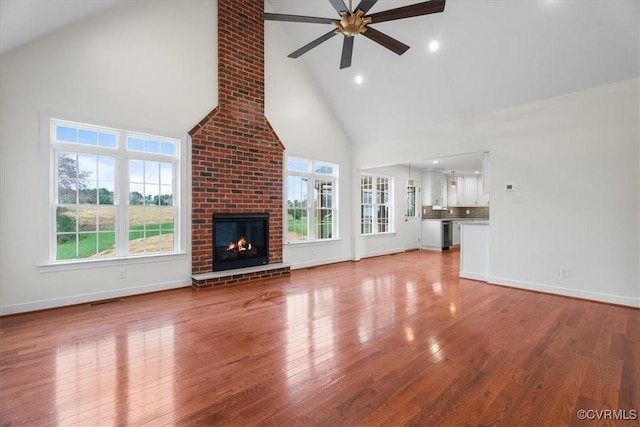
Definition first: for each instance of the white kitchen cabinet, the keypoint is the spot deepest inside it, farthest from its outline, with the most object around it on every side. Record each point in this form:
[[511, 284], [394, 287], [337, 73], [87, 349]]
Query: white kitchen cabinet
[[455, 194], [431, 236], [431, 188], [470, 191], [483, 197]]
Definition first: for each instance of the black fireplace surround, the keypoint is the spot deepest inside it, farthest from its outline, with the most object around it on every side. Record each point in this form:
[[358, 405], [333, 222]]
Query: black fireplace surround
[[240, 240]]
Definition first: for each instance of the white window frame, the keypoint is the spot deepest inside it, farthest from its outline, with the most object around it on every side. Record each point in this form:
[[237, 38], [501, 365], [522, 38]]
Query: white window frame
[[311, 178], [375, 204], [122, 155]]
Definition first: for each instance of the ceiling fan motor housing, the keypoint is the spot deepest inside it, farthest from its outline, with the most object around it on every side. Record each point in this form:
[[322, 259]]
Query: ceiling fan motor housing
[[352, 23]]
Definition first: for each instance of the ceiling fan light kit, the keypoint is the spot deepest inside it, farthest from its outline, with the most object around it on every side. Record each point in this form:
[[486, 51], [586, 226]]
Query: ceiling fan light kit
[[354, 22]]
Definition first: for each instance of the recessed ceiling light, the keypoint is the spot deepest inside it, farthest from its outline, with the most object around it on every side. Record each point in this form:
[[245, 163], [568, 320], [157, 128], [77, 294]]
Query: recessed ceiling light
[[435, 162], [434, 45], [477, 172], [358, 79]]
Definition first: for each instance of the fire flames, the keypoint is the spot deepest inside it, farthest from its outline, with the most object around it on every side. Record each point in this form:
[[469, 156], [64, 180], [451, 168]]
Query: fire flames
[[240, 245]]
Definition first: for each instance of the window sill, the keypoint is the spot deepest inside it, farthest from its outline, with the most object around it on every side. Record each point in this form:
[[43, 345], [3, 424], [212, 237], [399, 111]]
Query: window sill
[[373, 235], [313, 242], [86, 264]]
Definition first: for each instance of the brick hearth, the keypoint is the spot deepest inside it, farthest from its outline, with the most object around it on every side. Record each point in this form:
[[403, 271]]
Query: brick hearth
[[237, 158]]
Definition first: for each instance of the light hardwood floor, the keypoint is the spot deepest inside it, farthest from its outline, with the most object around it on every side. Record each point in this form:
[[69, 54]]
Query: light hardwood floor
[[392, 340]]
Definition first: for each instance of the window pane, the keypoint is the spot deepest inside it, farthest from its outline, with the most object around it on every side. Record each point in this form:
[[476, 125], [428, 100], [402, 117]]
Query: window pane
[[323, 168], [67, 246], [136, 194], [411, 201], [87, 218], [107, 140], [65, 221], [136, 144], [297, 225], [136, 171], [324, 223], [151, 194], [67, 191], [366, 190], [151, 230], [166, 195], [151, 173], [298, 165], [106, 218], [168, 148], [166, 173], [151, 146], [383, 219], [136, 222], [87, 137], [382, 192], [366, 220], [323, 193], [66, 134]]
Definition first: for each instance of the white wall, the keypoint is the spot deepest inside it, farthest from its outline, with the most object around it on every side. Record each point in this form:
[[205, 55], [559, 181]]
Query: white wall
[[147, 66], [575, 163], [307, 127], [139, 66]]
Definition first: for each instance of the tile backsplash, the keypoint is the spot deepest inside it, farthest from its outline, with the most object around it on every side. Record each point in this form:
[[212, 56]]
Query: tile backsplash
[[481, 212]]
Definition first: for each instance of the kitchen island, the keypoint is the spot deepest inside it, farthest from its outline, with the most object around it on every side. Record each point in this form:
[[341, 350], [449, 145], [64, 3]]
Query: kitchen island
[[474, 250]]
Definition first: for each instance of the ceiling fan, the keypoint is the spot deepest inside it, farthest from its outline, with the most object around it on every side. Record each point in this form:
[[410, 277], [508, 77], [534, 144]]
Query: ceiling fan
[[356, 21]]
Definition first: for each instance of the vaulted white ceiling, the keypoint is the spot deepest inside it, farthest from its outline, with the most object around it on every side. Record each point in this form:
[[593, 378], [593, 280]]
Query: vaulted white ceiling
[[493, 54]]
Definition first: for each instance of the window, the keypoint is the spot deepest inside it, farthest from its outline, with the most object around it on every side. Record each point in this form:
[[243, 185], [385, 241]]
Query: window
[[376, 203], [312, 188], [113, 193], [410, 199]]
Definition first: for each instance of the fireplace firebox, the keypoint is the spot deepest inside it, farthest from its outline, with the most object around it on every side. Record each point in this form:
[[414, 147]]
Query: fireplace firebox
[[240, 240]]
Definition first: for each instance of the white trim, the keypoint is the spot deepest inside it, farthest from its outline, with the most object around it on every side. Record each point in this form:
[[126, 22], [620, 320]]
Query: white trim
[[473, 276], [320, 242], [391, 251], [319, 262], [557, 290], [92, 297]]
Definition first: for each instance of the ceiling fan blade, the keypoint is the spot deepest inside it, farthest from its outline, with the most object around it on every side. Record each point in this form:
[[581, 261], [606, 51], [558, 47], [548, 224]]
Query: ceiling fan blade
[[424, 8], [347, 52], [306, 48], [386, 41], [365, 5], [339, 6], [295, 18]]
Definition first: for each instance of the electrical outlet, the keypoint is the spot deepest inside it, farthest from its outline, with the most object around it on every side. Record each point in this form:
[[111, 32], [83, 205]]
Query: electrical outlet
[[564, 273], [122, 274]]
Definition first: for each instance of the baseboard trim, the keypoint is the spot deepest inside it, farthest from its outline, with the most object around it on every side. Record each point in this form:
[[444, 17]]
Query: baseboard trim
[[301, 265], [6, 310], [568, 292], [473, 276]]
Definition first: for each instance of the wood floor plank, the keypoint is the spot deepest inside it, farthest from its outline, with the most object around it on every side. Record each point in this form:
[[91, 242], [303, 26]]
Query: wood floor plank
[[393, 340]]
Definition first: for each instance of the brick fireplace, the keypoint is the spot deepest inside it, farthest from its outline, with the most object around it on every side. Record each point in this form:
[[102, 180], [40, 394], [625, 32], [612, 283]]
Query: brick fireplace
[[237, 158]]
